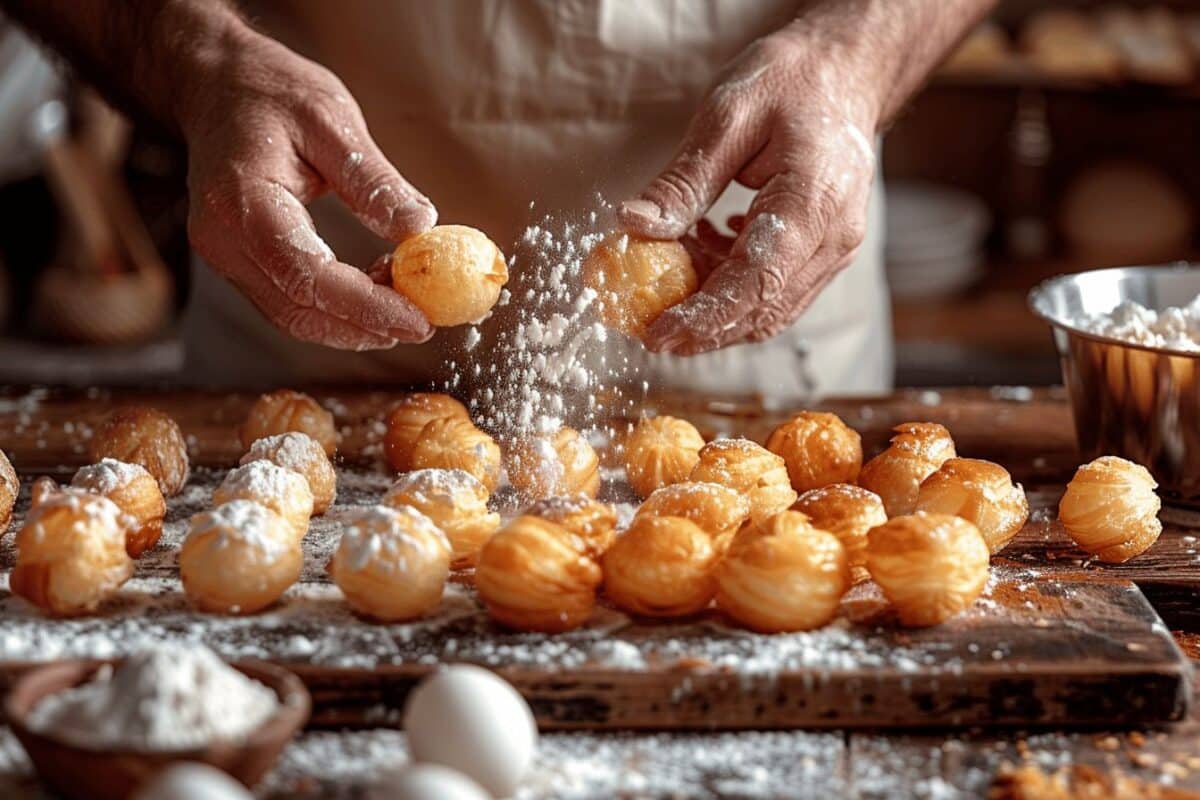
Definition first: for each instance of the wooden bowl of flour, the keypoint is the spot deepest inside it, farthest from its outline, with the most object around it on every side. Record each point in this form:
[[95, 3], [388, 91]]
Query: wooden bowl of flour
[[80, 773]]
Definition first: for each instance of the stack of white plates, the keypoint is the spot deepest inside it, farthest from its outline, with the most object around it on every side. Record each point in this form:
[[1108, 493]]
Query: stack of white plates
[[935, 237]]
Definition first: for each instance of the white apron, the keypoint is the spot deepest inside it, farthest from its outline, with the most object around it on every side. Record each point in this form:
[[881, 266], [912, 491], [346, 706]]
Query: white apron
[[489, 105]]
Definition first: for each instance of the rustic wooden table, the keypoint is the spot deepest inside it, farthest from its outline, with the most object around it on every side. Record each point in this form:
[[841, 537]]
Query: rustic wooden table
[[1029, 431]]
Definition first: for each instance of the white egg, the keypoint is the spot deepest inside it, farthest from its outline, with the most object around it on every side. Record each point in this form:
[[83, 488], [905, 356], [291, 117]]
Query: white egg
[[188, 781], [471, 720], [427, 782]]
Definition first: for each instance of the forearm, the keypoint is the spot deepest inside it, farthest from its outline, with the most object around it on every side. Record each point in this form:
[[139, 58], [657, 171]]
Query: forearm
[[140, 53], [890, 45]]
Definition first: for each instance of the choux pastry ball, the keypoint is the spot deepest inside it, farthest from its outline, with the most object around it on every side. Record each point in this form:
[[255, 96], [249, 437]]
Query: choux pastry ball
[[452, 273], [133, 490], [455, 443], [636, 280], [534, 575], [915, 453], [819, 449], [71, 552], [281, 490], [561, 463], [661, 567], [718, 510], [660, 451], [1110, 509], [238, 558], [455, 501], [300, 453], [848, 512], [391, 563], [750, 469], [147, 437], [783, 574], [10, 487], [929, 566], [980, 492], [286, 411], [594, 522], [409, 417]]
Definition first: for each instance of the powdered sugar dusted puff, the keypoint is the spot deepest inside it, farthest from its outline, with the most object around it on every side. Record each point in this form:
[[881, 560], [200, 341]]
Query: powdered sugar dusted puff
[[561, 463], [718, 510], [591, 520], [660, 451], [287, 411], [281, 490], [149, 438], [238, 558], [661, 567], [455, 501], [409, 417], [638, 279], [750, 469], [819, 450], [849, 513], [391, 563], [455, 443], [300, 453], [135, 492]]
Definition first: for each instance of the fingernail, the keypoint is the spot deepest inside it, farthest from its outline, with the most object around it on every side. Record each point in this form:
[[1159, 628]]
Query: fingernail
[[642, 209]]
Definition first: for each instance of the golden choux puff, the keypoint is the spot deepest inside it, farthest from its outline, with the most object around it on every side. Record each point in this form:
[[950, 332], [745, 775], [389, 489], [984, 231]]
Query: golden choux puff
[[782, 574], [135, 492], [391, 563], [819, 449], [409, 417], [147, 437], [915, 453], [636, 280], [10, 487], [1110, 509], [238, 558], [562, 463], [980, 492], [534, 575], [71, 552], [453, 273], [274, 487], [286, 411], [849, 513], [660, 451], [661, 567], [718, 510], [455, 443], [591, 520], [929, 566], [749, 468], [300, 453], [455, 501]]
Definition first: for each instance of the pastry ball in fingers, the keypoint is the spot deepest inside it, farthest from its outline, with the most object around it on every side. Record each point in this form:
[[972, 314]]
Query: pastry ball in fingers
[[848, 512], [750, 469], [238, 558], [455, 443], [10, 487], [636, 280], [1110, 509], [661, 567], [71, 552], [391, 563], [286, 411], [534, 575], [455, 501], [660, 451], [133, 490], [818, 448], [281, 490], [146, 437], [300, 453], [980, 492], [561, 463], [929, 566], [915, 453], [782, 574], [409, 417], [592, 521], [453, 273], [718, 510]]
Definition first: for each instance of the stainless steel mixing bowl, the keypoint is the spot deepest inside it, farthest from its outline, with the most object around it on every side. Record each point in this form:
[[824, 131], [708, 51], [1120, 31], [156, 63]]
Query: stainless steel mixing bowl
[[1130, 400]]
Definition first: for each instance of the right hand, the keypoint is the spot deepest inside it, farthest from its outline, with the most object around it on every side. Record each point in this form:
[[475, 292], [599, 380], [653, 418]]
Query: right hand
[[267, 132]]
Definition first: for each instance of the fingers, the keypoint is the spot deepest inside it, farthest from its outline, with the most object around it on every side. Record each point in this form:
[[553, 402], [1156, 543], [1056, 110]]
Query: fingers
[[380, 270], [725, 134], [339, 147]]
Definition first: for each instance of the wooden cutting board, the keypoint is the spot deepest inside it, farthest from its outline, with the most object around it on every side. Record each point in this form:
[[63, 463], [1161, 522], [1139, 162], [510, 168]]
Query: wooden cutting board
[[1056, 640]]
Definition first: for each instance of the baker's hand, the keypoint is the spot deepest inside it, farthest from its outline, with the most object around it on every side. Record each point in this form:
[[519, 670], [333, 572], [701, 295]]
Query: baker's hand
[[267, 132], [790, 121]]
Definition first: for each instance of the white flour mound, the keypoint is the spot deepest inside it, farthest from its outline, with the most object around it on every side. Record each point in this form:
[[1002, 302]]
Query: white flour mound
[[172, 697], [1177, 328]]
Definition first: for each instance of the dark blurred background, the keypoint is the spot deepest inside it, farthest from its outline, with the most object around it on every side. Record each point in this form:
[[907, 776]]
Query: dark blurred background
[[1062, 136]]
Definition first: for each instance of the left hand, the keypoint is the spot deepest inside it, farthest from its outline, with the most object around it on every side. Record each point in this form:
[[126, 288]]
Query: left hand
[[792, 121]]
